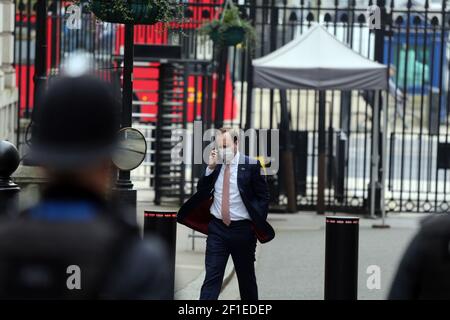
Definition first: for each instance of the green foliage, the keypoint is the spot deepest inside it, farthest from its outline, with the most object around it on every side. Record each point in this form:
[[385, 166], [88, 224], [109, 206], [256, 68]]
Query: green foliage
[[168, 11], [219, 29], [164, 11]]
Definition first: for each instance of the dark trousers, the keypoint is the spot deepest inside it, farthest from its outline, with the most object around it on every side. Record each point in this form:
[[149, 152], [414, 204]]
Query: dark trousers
[[239, 241]]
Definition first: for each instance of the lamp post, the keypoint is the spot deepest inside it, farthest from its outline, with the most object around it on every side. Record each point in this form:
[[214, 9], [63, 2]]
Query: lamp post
[[124, 186]]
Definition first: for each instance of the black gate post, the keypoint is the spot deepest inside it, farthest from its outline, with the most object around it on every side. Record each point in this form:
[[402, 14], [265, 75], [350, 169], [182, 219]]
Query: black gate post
[[9, 161], [341, 258], [322, 157], [379, 57], [163, 224]]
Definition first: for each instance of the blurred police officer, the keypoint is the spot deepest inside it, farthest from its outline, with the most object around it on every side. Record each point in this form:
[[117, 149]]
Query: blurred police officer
[[424, 271], [76, 244]]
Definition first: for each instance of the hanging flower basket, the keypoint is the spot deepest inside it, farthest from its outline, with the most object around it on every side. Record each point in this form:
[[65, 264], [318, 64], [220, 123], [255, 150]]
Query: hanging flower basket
[[232, 36], [136, 11], [144, 13], [230, 29]]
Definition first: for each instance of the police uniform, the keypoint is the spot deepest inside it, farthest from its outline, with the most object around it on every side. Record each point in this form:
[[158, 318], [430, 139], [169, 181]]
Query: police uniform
[[74, 244]]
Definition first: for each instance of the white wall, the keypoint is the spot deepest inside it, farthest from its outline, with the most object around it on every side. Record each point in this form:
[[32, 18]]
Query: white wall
[[8, 90]]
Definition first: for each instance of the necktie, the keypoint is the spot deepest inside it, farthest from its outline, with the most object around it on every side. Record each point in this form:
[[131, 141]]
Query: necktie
[[226, 196]]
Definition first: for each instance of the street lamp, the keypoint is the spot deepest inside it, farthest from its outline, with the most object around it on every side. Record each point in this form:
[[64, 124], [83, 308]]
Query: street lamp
[[124, 186]]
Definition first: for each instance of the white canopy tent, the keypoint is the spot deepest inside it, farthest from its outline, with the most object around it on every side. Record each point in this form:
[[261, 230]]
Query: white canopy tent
[[317, 60]]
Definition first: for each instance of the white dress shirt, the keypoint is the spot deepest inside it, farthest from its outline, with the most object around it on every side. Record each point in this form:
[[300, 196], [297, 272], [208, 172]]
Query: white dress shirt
[[238, 211]]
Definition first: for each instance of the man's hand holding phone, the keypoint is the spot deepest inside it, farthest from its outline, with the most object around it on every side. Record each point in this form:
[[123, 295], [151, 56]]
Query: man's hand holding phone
[[212, 159]]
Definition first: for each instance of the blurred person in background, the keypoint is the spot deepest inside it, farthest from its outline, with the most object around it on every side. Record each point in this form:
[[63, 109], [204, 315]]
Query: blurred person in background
[[423, 273], [395, 92], [77, 243]]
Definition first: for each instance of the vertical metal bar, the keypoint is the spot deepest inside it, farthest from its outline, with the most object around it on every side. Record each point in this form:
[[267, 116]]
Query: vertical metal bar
[[244, 78], [405, 86], [375, 155], [322, 155], [379, 57], [40, 72], [273, 45], [430, 103], [60, 30], [389, 62], [28, 61], [413, 104], [249, 102], [54, 33], [222, 71], [422, 104], [441, 64], [185, 70], [314, 157], [233, 79], [329, 154], [159, 135], [18, 64], [384, 156], [287, 155]]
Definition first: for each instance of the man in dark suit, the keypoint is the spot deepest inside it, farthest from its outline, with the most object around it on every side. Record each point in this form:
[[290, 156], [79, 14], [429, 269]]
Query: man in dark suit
[[230, 206]]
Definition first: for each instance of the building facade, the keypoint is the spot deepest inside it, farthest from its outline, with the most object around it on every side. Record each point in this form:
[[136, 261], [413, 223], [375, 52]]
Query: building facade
[[8, 89]]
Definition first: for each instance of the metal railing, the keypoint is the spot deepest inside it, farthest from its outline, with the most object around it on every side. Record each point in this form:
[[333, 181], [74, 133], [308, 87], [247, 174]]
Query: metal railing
[[413, 42]]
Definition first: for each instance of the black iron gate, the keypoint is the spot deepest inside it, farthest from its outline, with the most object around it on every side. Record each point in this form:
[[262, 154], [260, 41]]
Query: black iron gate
[[412, 42]]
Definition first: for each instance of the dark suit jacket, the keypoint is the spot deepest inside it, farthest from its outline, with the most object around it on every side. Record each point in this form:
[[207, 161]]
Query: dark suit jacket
[[254, 193]]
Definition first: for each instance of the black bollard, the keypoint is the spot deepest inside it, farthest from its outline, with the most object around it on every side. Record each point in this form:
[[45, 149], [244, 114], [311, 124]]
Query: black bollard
[[341, 258], [163, 224], [9, 191]]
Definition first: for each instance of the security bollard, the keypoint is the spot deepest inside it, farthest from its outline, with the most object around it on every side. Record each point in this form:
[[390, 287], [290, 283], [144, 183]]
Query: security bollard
[[163, 224], [341, 258], [9, 191]]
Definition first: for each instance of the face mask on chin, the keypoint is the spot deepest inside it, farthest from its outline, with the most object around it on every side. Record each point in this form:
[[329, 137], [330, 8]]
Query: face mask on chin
[[226, 154]]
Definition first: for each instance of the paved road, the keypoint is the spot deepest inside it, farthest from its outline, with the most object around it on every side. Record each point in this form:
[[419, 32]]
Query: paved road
[[292, 265]]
